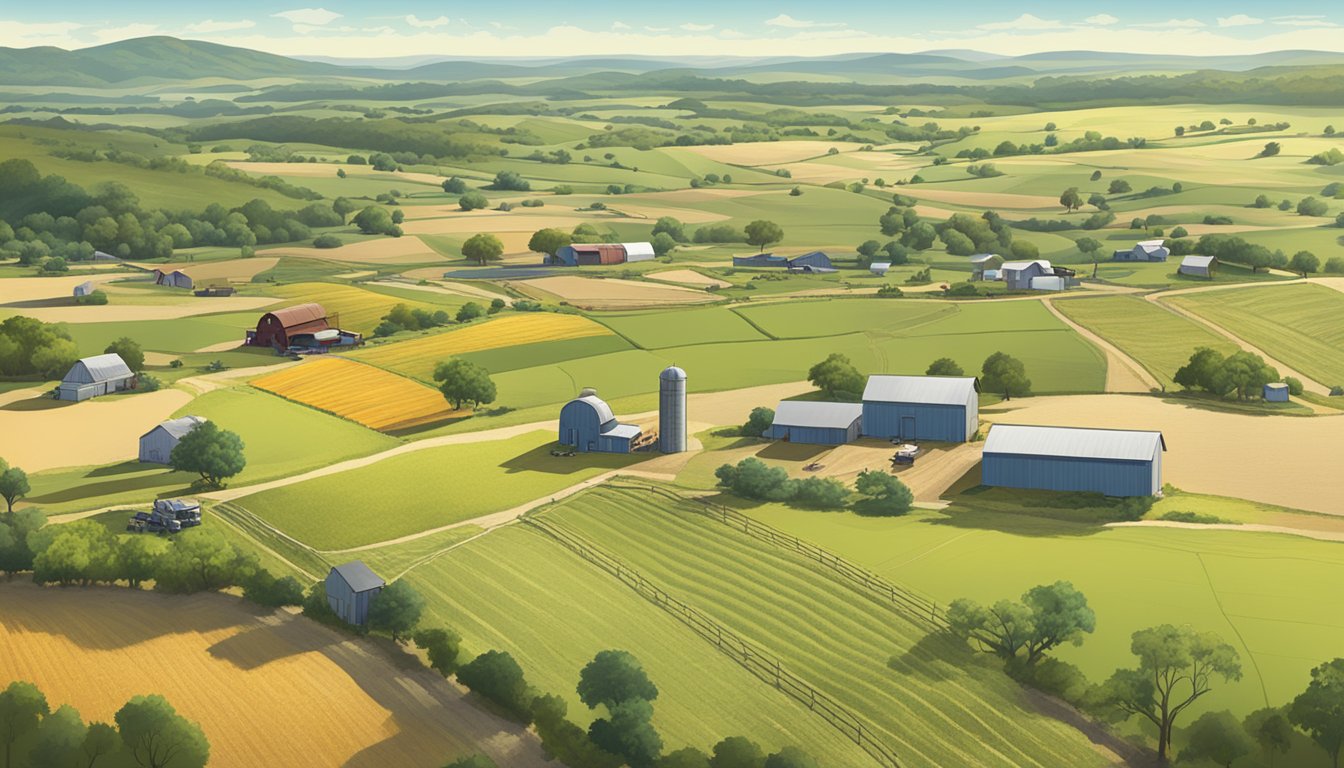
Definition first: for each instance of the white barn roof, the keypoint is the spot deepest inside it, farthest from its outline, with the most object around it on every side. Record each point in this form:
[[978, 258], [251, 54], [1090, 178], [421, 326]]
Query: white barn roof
[[627, 431], [933, 390], [637, 251], [1074, 442], [983, 258], [802, 413], [599, 405], [1202, 262], [100, 368], [1015, 266], [178, 428]]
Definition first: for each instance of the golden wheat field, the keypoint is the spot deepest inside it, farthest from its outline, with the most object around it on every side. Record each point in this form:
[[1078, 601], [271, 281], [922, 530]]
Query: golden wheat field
[[267, 688], [418, 357], [354, 309], [371, 396]]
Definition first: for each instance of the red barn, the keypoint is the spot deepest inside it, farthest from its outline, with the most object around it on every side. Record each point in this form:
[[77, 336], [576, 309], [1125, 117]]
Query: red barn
[[276, 329]]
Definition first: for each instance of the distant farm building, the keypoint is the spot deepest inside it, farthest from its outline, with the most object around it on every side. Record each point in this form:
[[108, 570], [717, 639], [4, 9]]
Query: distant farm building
[[351, 589], [215, 290], [814, 423], [304, 326], [879, 268], [815, 261], [1108, 461], [1276, 392], [588, 425], [84, 289], [1036, 275], [175, 279], [941, 408], [1144, 250], [101, 256], [1198, 266], [985, 266], [94, 376], [157, 445], [595, 254]]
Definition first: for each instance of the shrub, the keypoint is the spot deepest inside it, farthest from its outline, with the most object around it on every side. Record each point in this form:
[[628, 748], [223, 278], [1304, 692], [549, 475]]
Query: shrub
[[496, 677], [758, 422], [327, 241], [96, 297], [752, 478], [819, 493]]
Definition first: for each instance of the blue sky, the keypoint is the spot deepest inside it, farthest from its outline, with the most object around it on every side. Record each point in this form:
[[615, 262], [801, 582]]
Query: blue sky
[[724, 27]]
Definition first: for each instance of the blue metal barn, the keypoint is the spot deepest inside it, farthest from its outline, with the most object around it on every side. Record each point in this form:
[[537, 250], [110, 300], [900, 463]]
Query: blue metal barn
[[351, 589], [587, 424], [1108, 461], [816, 423], [939, 408], [1276, 392]]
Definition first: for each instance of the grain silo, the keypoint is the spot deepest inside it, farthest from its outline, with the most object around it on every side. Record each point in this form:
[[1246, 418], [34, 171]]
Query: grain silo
[[672, 410]]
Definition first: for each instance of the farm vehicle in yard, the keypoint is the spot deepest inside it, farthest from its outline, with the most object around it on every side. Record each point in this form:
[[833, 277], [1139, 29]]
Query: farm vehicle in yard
[[167, 516]]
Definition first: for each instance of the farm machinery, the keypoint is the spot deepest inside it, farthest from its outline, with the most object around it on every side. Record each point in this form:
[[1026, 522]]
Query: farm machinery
[[167, 516]]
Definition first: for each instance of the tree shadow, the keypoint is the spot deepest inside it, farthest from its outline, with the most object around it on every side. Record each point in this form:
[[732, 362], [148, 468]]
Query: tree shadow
[[539, 459], [784, 451], [1017, 524], [936, 656], [58, 301], [60, 611], [122, 485], [40, 403], [124, 468]]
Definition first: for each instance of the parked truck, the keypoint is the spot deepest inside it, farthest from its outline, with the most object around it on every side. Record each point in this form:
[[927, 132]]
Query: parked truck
[[167, 516]]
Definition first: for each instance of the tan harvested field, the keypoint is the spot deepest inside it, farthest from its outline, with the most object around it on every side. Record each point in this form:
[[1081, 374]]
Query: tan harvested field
[[231, 270], [112, 313], [356, 275], [442, 286], [383, 250], [702, 195], [371, 396], [685, 215], [984, 199], [23, 291], [611, 293], [325, 170], [103, 430], [267, 688], [1260, 458], [766, 152], [687, 277]]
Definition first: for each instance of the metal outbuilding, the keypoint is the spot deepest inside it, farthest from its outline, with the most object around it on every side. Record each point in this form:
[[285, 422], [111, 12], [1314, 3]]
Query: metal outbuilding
[[1113, 462], [84, 289], [1144, 250], [1019, 274], [982, 264], [175, 279], [941, 408], [588, 425], [1198, 266], [595, 254], [1276, 392], [157, 445], [351, 588], [94, 376], [672, 410], [800, 421], [879, 268]]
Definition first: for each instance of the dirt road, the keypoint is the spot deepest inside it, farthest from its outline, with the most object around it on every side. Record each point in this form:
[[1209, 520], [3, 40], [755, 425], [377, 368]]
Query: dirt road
[[1123, 373]]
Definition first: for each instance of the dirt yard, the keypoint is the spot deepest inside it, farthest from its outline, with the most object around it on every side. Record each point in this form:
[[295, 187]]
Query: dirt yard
[[612, 293], [384, 250], [1284, 460], [267, 688], [687, 277], [64, 434]]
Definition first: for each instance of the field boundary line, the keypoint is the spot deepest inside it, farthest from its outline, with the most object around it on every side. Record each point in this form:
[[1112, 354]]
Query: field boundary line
[[759, 663], [224, 511], [1218, 601]]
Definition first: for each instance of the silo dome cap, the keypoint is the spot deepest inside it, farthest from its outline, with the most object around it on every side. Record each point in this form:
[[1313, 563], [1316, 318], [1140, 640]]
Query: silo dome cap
[[672, 373]]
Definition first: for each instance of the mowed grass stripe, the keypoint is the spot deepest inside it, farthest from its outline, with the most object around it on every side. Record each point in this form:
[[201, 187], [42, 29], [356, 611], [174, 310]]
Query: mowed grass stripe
[[517, 590], [679, 328], [1302, 325], [757, 590], [418, 357], [371, 396], [1161, 340]]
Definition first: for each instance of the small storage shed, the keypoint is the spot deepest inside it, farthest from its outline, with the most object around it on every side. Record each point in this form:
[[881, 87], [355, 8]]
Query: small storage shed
[[1019, 274], [175, 279], [941, 408], [588, 425], [1198, 266], [1276, 392], [982, 264], [799, 421], [351, 588], [94, 376], [594, 254], [879, 268], [1113, 462], [1049, 283], [84, 288], [760, 260], [1144, 250], [157, 445]]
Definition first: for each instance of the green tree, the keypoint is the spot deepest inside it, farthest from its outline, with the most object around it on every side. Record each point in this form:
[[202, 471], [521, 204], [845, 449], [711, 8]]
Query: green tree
[[375, 220], [686, 757], [761, 233], [887, 495], [1177, 667], [791, 757], [670, 226], [129, 351], [944, 366], [1304, 262], [511, 181], [1091, 247], [464, 383], [454, 186], [473, 201], [614, 677], [60, 738], [396, 610], [13, 486], [81, 552], [100, 741], [869, 248], [1310, 206], [1024, 251], [214, 453], [16, 538], [137, 558], [760, 420], [441, 646], [629, 733], [836, 376], [1271, 149], [1270, 728], [1200, 370], [22, 707], [737, 752], [547, 241], [157, 737], [469, 311], [817, 493], [1262, 201], [1319, 710], [496, 676], [483, 247], [201, 559], [1217, 737], [344, 206], [1071, 199], [663, 244], [1005, 374], [752, 478], [1119, 187], [1047, 617]]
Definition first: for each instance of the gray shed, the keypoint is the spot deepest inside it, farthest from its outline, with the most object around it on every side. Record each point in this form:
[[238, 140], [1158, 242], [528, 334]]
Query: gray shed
[[157, 444], [802, 421], [1019, 274], [351, 588], [84, 288], [1113, 462], [1198, 266], [94, 376]]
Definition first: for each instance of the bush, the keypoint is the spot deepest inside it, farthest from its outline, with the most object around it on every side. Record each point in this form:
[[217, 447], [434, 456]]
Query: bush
[[758, 422], [1193, 517], [752, 478], [473, 201], [496, 677], [327, 241], [819, 493], [96, 297], [1294, 386], [263, 588]]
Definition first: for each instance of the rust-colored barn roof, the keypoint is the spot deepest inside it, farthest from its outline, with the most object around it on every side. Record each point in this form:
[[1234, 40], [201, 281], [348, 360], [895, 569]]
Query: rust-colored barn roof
[[300, 316]]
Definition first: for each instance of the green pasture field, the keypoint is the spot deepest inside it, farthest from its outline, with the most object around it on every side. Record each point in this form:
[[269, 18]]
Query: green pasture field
[[1161, 340], [355, 308], [924, 697], [811, 319], [173, 336], [679, 327], [518, 356], [1302, 325], [425, 489], [1164, 275], [516, 590]]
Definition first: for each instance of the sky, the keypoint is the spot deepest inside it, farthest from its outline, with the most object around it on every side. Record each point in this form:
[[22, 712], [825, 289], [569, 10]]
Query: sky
[[396, 28]]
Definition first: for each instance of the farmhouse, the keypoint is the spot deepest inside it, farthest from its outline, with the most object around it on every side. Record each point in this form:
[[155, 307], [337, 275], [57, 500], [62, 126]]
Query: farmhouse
[[1276, 392], [1019, 274], [814, 423], [305, 326], [588, 425], [94, 376], [175, 279], [1107, 461], [943, 408], [815, 261], [1198, 266], [1144, 250], [985, 266], [579, 255], [84, 289], [157, 445], [351, 588]]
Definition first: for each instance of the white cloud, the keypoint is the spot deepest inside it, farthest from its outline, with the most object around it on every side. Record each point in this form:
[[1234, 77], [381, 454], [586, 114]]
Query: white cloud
[[420, 23], [1024, 22], [619, 25], [788, 22], [658, 29], [1174, 24], [113, 34], [1102, 20], [19, 34], [210, 25], [689, 27], [1303, 21], [312, 17], [1239, 20]]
